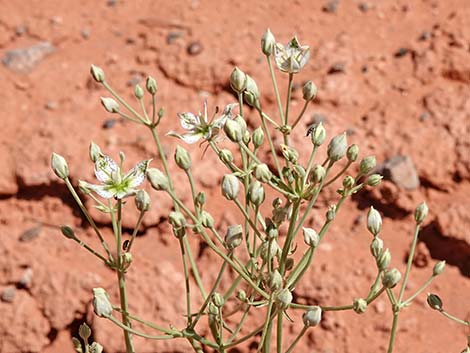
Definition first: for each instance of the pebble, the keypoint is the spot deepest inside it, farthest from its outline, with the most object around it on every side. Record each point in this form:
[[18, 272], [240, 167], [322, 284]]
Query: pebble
[[401, 52], [336, 68], [331, 6], [195, 48], [425, 36], [8, 294], [173, 36], [401, 171], [85, 33], [364, 6], [109, 123], [25, 59], [51, 105], [30, 234], [26, 278]]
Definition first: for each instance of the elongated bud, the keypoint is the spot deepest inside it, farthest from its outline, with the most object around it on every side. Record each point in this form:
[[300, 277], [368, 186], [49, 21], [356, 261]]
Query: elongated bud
[[238, 80], [84, 331], [258, 137], [352, 153], [262, 173], [241, 295], [267, 43], [138, 91], [240, 121], [348, 182], [177, 219], [359, 305], [230, 186], [207, 220], [142, 201], [434, 302], [438, 268], [256, 193], [234, 236], [252, 87], [311, 238], [269, 251], [376, 247], [318, 134], [218, 299], [289, 153], [101, 304], [367, 164], [312, 317], [421, 212], [391, 278], [182, 158], [318, 174], [110, 105], [157, 179], [337, 147], [384, 260], [233, 130], [374, 180], [284, 298], [151, 85], [77, 345], [97, 73], [83, 187], [67, 232], [374, 221], [59, 166], [94, 152], [331, 213], [309, 91], [275, 282], [96, 348], [226, 156], [201, 198]]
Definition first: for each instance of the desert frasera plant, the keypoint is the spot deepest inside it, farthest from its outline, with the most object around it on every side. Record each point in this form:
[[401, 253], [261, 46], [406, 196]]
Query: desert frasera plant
[[258, 250]]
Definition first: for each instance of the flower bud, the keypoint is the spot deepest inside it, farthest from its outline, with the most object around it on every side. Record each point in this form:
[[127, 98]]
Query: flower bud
[[262, 173], [200, 198], [241, 295], [151, 85], [207, 220], [348, 182], [312, 317], [376, 247], [374, 221], [97, 73], [311, 238], [367, 164], [94, 152], [421, 212], [360, 305], [96, 348], [127, 259], [309, 91], [267, 43], [101, 304], [84, 331], [161, 113], [233, 130], [230, 186], [434, 302], [213, 310], [269, 252], [238, 80], [438, 268], [258, 137], [277, 202], [271, 229], [352, 153], [182, 158], [289, 153], [289, 263], [77, 345], [374, 180], [157, 179], [256, 193], [318, 174], [251, 87], [139, 91], [67, 232], [275, 282], [83, 187], [59, 166], [177, 219], [383, 260], [391, 278], [218, 299], [337, 147], [318, 134], [110, 105], [251, 100], [234, 236], [284, 298], [226, 156], [246, 137], [142, 201]]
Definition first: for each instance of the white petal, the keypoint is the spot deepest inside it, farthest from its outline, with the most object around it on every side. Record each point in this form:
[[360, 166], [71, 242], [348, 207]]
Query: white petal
[[189, 138], [102, 190], [104, 167], [188, 120], [126, 193], [136, 175]]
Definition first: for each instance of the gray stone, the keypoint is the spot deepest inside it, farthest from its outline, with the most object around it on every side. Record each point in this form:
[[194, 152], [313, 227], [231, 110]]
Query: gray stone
[[8, 294], [401, 171], [25, 59]]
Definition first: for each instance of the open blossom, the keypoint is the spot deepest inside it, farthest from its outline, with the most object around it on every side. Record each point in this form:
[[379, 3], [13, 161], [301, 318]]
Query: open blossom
[[198, 127], [114, 182], [292, 57]]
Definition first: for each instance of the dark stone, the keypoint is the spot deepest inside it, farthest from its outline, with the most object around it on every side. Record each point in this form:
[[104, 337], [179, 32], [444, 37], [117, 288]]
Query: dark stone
[[30, 234], [195, 48], [401, 52], [331, 6], [109, 123]]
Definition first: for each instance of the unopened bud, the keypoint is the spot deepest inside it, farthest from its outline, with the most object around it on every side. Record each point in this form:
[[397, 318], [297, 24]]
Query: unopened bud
[[251, 87], [256, 193], [218, 299], [421, 212], [177, 219], [434, 302], [97, 73], [374, 221], [284, 298], [230, 186], [151, 85], [312, 317], [238, 80], [110, 105], [241, 295], [101, 304], [59, 166], [391, 278], [269, 251], [267, 43], [348, 182], [376, 247], [331, 213], [258, 137], [94, 152], [226, 156], [318, 134], [289, 153], [234, 236], [182, 158], [374, 180], [262, 173], [139, 92], [233, 130], [352, 153], [207, 220], [383, 260], [360, 305], [142, 201], [84, 331], [213, 310], [309, 91], [200, 198], [67, 232], [157, 179], [367, 164], [275, 282], [337, 147], [96, 348], [311, 238], [318, 174], [438, 268]]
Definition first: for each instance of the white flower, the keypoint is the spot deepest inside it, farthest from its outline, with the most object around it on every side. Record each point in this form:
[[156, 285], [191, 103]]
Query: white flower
[[199, 127], [292, 57], [114, 182]]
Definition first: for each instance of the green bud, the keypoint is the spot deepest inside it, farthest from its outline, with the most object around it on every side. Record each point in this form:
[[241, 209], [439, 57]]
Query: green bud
[[298, 171], [94, 152], [262, 173], [267, 43], [213, 310], [374, 221], [271, 229], [207, 220], [234, 236], [383, 260], [230, 186], [434, 302], [275, 282], [311, 238], [97, 73], [272, 250], [84, 331], [67, 232], [110, 105], [256, 193], [157, 179], [312, 317], [277, 202], [96, 348], [251, 87], [246, 137], [239, 119], [218, 299], [201, 199], [421, 212], [438, 268], [139, 92], [391, 278], [151, 85], [318, 174], [127, 259], [309, 91], [360, 305], [241, 295], [77, 345], [142, 201], [238, 80], [376, 247], [59, 166], [337, 147], [367, 164], [318, 134], [284, 298], [161, 113], [101, 304], [352, 153], [182, 158], [289, 153], [177, 219], [226, 156], [289, 263], [83, 187], [258, 137], [374, 180], [331, 213], [348, 182], [233, 130]]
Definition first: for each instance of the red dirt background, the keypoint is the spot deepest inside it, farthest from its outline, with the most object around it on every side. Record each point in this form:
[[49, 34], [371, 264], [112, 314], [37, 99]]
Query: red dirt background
[[394, 74]]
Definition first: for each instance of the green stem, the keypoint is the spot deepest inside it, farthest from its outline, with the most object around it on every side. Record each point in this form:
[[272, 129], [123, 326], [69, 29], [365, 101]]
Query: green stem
[[98, 255], [310, 163], [289, 238], [186, 281], [122, 101], [141, 334], [271, 145], [194, 268], [266, 322], [338, 175], [136, 229], [286, 115], [393, 333], [297, 339], [453, 318], [410, 262], [276, 90], [300, 115], [147, 323], [280, 316], [418, 292]]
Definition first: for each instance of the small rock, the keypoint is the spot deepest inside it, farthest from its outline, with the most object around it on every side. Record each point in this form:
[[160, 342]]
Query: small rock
[[364, 6], [401, 52], [8, 294], [85, 33], [424, 116], [20, 30], [336, 68], [425, 36], [401, 171], [51, 105], [195, 48], [173, 36], [26, 278], [331, 6], [26, 59], [111, 3], [109, 123], [30, 234]]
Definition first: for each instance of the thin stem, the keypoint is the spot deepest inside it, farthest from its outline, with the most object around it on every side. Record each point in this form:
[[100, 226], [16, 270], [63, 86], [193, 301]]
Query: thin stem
[[136, 229], [137, 333], [393, 333], [147, 323], [144, 110], [290, 237], [410, 262], [122, 101], [453, 318], [271, 145], [186, 281], [84, 245], [310, 162], [276, 89], [154, 107], [268, 118], [300, 115], [338, 175], [418, 292], [194, 268], [289, 94], [280, 316], [266, 322], [297, 339]]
